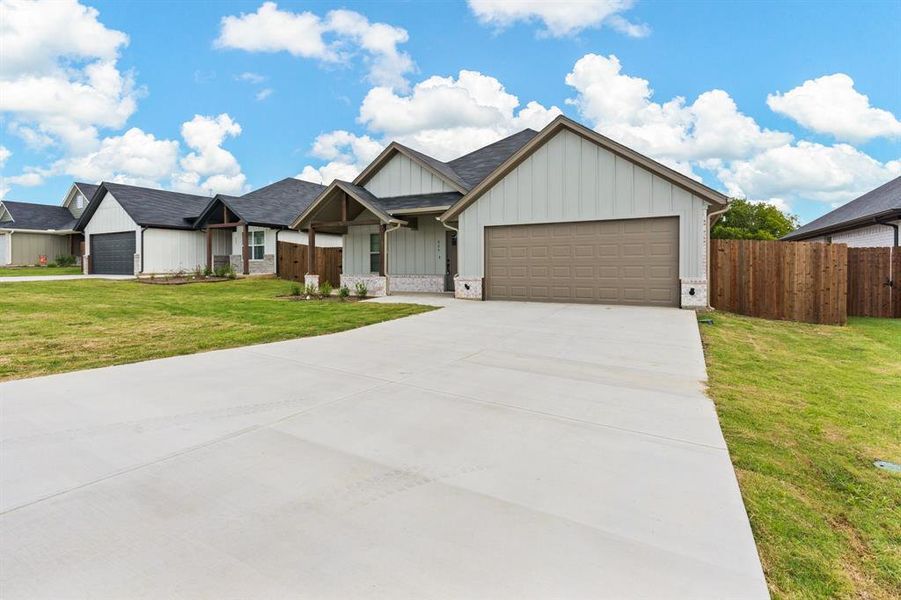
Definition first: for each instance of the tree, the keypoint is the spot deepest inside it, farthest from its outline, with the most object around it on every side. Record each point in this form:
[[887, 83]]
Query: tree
[[747, 220]]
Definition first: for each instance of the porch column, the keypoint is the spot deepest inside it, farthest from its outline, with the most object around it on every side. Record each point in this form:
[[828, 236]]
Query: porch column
[[383, 249], [245, 250], [311, 251], [209, 248]]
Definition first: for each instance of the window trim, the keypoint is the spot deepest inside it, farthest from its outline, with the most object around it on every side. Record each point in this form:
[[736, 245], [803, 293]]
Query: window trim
[[378, 253], [251, 245]]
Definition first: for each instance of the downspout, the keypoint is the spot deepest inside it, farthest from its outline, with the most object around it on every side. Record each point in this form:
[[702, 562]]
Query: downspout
[[390, 228], [711, 219], [893, 226], [277, 231], [143, 229]]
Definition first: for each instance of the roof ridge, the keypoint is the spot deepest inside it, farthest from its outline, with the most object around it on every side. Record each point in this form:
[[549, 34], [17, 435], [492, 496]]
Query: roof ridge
[[503, 139]]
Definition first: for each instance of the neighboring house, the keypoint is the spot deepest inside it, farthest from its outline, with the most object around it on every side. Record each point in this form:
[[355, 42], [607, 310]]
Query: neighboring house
[[564, 214], [132, 230], [245, 230], [871, 220], [30, 231]]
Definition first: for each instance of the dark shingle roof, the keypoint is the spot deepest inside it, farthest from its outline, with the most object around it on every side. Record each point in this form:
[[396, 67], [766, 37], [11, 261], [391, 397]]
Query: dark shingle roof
[[87, 189], [40, 217], [149, 207], [276, 204], [477, 165], [399, 203], [884, 199]]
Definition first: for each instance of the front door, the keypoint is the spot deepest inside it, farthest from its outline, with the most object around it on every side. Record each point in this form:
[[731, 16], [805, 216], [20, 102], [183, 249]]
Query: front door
[[450, 260]]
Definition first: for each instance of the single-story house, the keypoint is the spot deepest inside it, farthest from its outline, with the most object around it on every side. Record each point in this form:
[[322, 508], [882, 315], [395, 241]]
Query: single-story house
[[872, 220], [133, 230], [564, 214], [245, 230], [30, 231]]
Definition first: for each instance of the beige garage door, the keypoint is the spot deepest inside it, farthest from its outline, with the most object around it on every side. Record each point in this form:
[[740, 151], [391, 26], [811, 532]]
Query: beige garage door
[[634, 261]]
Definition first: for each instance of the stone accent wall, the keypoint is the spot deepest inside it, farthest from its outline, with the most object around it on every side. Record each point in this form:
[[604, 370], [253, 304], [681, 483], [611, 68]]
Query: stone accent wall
[[84, 264], [416, 283], [468, 288], [698, 300], [237, 263], [309, 279], [263, 267], [221, 260], [378, 286], [137, 263]]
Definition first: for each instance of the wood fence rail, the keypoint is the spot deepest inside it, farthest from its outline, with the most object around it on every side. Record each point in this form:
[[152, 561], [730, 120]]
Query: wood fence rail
[[797, 281], [292, 262]]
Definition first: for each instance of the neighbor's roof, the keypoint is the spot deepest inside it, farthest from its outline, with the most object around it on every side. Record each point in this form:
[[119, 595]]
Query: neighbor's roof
[[38, 217], [276, 204], [149, 207], [87, 189], [472, 168], [884, 201]]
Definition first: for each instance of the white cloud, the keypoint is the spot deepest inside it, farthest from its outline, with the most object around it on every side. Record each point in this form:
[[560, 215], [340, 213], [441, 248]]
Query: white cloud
[[135, 158], [807, 170], [444, 117], [831, 105], [263, 94], [5, 153], [561, 17], [335, 39], [621, 107], [59, 81], [250, 77], [210, 167]]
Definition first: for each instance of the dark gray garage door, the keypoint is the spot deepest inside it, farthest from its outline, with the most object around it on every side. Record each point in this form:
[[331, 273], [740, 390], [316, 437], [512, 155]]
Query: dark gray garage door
[[113, 253], [634, 261]]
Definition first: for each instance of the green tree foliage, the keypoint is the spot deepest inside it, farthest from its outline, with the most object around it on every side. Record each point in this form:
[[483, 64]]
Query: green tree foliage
[[753, 221]]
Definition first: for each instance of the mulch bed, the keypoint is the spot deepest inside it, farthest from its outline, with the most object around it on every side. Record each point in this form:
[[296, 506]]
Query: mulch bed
[[303, 298], [181, 280]]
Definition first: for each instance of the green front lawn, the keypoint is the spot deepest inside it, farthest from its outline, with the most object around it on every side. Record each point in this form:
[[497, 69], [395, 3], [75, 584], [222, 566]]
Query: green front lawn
[[29, 271], [56, 326], [805, 410]]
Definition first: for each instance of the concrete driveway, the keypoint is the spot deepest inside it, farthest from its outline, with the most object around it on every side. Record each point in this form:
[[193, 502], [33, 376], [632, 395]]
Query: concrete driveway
[[485, 450]]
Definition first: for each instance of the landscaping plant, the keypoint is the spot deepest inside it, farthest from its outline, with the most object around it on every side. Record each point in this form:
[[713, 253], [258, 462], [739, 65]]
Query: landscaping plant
[[295, 289], [325, 289], [361, 290], [343, 292], [311, 291]]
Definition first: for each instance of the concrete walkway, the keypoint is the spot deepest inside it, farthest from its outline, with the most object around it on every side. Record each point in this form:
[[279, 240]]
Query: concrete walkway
[[484, 450], [60, 277]]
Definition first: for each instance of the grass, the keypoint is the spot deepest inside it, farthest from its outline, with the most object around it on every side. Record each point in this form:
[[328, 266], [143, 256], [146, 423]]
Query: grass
[[28, 271], [805, 410], [56, 326]]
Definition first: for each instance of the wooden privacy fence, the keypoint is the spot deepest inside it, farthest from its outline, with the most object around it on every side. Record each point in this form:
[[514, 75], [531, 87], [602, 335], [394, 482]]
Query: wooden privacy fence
[[874, 282], [292, 262], [796, 281]]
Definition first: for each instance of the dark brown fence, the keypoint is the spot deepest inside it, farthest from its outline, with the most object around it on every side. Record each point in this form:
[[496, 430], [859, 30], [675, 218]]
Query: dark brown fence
[[797, 281], [874, 282], [292, 262]]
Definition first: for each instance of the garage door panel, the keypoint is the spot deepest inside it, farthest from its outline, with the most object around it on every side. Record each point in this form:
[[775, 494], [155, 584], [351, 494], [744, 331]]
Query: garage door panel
[[113, 253], [623, 262]]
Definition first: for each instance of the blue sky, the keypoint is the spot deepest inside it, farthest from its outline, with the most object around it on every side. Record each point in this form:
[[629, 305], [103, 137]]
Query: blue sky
[[197, 117]]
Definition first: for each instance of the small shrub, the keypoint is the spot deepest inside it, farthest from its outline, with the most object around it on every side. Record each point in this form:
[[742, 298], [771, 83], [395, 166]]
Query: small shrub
[[51, 265], [198, 272], [207, 271], [222, 270], [325, 289], [310, 290], [66, 260], [361, 290], [295, 289], [230, 272], [343, 292]]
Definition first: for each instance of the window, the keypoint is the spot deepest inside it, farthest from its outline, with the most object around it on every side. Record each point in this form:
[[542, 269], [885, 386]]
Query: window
[[256, 240], [79, 201], [375, 252]]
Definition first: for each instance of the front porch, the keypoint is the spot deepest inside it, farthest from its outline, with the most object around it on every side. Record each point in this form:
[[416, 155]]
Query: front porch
[[230, 240], [389, 245]]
